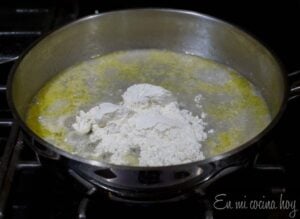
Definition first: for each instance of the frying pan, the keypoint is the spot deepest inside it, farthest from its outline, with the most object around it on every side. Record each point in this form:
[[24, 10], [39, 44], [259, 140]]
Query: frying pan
[[175, 30]]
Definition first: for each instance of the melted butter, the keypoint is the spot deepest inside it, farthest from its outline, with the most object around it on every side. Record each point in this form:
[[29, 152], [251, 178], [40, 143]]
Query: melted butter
[[236, 110]]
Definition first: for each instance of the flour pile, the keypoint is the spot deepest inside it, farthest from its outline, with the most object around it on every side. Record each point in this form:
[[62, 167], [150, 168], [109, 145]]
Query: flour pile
[[146, 129]]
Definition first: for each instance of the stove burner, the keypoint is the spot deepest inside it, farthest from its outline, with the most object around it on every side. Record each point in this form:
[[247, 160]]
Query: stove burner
[[193, 208], [88, 201], [197, 205], [29, 190]]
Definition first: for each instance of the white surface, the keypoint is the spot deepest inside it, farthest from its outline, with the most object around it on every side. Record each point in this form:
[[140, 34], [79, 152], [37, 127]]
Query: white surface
[[148, 126]]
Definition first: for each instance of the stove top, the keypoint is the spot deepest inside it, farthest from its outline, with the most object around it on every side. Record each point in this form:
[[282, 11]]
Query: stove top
[[29, 190]]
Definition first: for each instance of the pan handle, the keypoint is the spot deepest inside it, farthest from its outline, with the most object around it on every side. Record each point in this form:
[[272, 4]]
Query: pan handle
[[294, 79]]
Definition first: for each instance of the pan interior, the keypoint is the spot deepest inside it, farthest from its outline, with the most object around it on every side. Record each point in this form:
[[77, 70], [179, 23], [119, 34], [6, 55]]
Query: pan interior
[[235, 108]]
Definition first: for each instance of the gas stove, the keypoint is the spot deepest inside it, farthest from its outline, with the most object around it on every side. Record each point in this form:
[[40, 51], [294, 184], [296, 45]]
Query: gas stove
[[269, 188]]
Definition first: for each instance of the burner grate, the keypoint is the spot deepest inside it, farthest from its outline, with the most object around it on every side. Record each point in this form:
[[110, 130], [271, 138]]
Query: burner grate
[[23, 22], [28, 190]]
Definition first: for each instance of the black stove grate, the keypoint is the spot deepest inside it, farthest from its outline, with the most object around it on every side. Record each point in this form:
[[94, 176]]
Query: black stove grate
[[37, 191], [22, 22], [28, 190]]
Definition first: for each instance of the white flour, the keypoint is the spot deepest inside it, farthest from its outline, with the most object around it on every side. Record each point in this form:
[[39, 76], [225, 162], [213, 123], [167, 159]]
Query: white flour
[[146, 129]]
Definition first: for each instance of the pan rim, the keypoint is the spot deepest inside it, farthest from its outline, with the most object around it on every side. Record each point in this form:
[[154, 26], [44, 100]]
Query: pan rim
[[102, 164]]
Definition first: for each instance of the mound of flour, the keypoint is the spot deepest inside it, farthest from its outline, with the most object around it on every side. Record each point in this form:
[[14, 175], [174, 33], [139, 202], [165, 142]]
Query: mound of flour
[[147, 126]]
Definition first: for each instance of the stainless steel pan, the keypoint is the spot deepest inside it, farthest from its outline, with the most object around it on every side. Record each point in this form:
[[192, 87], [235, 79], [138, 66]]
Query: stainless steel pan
[[175, 30]]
